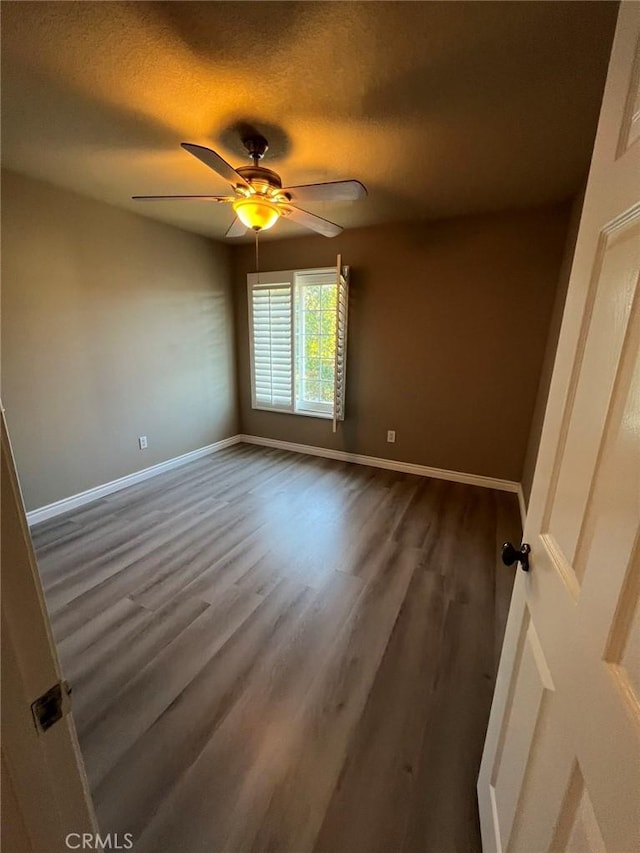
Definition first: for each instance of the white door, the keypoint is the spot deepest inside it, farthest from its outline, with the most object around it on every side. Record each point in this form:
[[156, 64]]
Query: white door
[[44, 790], [561, 764]]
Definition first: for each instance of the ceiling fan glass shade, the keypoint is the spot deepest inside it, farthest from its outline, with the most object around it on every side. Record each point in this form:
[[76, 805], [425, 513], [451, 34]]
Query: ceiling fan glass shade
[[256, 212]]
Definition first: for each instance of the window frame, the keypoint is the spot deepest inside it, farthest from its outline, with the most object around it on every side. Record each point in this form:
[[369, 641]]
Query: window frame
[[284, 278]]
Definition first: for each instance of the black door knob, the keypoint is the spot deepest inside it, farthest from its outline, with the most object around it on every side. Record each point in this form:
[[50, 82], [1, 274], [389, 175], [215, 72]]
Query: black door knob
[[511, 556]]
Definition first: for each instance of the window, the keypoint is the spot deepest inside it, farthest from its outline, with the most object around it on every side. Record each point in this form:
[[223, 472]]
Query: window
[[298, 336]]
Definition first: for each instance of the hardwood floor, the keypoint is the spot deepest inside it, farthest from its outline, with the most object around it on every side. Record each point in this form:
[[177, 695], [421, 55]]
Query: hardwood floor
[[274, 652]]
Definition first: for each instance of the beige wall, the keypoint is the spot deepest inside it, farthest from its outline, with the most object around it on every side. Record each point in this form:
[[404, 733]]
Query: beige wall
[[548, 360], [448, 324], [116, 326], [113, 326]]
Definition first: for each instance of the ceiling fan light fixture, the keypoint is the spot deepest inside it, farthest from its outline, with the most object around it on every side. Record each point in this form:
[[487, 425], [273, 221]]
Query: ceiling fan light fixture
[[257, 213], [259, 199]]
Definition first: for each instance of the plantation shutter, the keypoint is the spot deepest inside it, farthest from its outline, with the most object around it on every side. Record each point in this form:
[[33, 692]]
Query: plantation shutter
[[271, 308], [340, 372]]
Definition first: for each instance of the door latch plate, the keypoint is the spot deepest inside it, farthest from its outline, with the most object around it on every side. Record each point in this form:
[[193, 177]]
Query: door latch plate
[[50, 707]]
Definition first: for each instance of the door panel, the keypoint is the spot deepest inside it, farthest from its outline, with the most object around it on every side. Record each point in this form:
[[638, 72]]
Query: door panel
[[47, 794], [623, 653], [522, 726], [578, 827], [561, 766], [613, 288]]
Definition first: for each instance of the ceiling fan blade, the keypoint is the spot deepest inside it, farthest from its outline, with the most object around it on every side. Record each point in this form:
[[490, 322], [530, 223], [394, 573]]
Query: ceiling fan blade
[[330, 191], [236, 229], [315, 223], [183, 198], [214, 161]]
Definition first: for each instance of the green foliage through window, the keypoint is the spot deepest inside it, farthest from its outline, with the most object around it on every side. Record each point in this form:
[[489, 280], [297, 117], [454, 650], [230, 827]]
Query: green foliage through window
[[316, 343]]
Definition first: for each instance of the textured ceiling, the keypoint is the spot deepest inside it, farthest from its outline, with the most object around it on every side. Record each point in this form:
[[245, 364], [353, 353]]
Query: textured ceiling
[[439, 108]]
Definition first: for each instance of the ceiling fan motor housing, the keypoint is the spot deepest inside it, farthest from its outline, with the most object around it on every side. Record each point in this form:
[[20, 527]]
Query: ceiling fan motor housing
[[258, 174], [265, 183]]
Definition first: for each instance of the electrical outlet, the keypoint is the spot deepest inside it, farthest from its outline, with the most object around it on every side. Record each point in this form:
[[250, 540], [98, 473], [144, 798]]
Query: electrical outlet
[[142, 442], [391, 436]]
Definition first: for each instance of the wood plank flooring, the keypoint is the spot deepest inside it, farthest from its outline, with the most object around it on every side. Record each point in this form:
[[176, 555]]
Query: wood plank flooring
[[275, 652]]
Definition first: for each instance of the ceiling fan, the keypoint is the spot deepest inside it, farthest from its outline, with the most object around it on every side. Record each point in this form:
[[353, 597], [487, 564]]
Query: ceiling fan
[[259, 199]]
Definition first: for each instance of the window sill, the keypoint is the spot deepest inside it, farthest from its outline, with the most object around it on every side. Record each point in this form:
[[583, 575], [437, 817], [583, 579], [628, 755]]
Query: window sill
[[325, 416]]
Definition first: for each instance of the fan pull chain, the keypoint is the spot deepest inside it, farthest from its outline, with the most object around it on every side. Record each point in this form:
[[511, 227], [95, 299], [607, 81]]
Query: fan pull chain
[[257, 258]]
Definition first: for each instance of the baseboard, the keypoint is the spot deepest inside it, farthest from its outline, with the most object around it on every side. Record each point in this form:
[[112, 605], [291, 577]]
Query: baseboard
[[66, 504], [391, 464], [74, 501]]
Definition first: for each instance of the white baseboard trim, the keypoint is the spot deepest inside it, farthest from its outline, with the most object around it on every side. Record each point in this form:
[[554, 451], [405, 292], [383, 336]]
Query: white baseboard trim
[[66, 504], [73, 501], [391, 464], [522, 505]]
